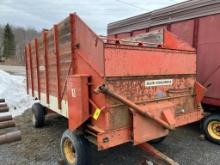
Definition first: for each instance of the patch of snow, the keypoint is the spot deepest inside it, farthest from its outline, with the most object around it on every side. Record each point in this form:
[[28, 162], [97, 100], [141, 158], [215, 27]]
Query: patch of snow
[[13, 90]]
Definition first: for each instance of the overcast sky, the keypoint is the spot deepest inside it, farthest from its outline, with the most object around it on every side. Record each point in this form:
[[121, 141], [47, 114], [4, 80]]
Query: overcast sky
[[41, 14]]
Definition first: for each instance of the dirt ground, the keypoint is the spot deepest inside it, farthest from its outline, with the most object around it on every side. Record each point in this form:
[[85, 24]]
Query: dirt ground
[[41, 147]]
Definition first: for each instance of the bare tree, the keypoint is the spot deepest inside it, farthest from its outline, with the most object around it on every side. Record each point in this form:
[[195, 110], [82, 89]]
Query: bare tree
[[22, 36]]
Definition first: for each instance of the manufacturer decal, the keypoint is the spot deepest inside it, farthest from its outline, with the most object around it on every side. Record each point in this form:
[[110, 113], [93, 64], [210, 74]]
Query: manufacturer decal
[[73, 92], [161, 82], [42, 68]]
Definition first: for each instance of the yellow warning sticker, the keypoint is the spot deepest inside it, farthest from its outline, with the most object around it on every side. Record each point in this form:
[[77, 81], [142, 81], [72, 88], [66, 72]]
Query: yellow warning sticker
[[96, 113]]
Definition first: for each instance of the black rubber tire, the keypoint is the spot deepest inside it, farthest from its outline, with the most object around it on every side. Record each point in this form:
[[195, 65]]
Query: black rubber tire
[[206, 122], [81, 147], [38, 115], [159, 140]]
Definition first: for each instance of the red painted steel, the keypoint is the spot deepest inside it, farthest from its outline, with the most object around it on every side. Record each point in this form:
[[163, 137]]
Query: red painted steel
[[159, 80], [195, 33], [182, 64], [187, 30], [73, 40], [31, 69], [45, 42], [208, 55], [202, 33], [109, 139], [37, 65], [135, 108], [169, 27], [57, 53], [78, 100]]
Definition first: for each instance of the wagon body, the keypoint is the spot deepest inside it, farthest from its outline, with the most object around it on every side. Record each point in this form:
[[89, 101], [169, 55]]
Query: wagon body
[[196, 22], [67, 65]]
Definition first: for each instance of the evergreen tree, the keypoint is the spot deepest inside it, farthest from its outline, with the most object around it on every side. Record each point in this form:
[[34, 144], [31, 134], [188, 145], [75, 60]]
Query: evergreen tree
[[8, 42]]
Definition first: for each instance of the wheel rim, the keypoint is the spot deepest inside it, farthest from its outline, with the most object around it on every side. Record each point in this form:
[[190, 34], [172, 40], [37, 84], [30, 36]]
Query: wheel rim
[[33, 119], [214, 129], [69, 151]]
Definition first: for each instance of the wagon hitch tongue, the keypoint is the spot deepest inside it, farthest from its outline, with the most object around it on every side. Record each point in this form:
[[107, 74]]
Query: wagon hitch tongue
[[103, 89], [157, 154]]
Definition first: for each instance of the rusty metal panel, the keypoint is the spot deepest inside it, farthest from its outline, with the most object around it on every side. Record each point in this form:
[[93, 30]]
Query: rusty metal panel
[[140, 92], [146, 129], [115, 111], [188, 118], [180, 93], [112, 138]]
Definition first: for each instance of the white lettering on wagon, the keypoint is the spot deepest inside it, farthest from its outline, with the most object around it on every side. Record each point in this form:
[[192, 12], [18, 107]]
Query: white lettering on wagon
[[161, 82], [73, 92], [42, 68]]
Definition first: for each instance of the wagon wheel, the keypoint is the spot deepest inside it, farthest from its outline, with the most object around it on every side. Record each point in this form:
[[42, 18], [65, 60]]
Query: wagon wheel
[[211, 127], [38, 115], [74, 149]]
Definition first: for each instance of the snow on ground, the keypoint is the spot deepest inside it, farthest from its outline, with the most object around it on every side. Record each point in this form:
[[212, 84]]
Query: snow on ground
[[13, 89]]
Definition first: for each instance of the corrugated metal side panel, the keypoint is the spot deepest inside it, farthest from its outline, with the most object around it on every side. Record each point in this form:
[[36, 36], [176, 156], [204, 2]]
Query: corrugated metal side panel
[[186, 32], [178, 12], [209, 57]]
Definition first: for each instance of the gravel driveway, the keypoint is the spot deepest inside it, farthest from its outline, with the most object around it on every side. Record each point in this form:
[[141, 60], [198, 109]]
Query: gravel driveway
[[41, 146]]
